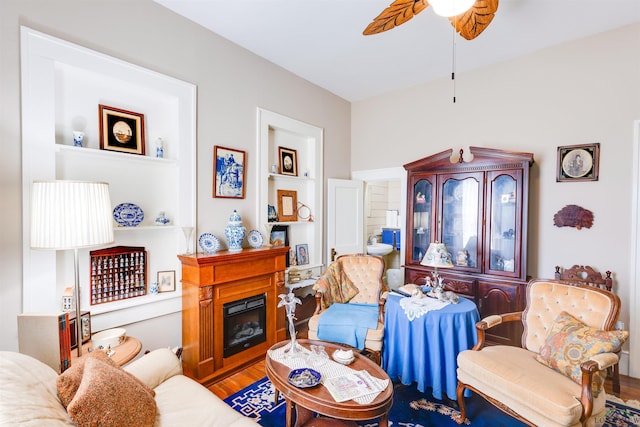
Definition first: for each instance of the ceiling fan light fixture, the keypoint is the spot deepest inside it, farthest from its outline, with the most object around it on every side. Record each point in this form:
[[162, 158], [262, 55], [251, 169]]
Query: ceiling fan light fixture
[[450, 8]]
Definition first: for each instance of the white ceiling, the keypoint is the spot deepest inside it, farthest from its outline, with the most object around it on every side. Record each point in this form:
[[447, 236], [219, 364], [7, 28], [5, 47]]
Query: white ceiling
[[322, 41]]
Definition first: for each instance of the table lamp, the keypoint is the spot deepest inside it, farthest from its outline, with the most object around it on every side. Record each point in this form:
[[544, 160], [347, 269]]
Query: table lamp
[[71, 215], [437, 256]]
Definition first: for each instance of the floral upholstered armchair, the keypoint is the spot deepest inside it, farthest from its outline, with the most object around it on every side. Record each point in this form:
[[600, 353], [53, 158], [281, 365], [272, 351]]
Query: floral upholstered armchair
[[353, 283], [556, 378]]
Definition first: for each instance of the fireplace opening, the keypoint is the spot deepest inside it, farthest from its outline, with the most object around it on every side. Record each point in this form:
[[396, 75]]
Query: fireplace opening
[[244, 324]]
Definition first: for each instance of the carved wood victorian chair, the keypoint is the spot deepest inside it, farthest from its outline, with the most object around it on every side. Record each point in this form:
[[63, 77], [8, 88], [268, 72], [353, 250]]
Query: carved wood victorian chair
[[555, 379], [353, 279], [588, 276]]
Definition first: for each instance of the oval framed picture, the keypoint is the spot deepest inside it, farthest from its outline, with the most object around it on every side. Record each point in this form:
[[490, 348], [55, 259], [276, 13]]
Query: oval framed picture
[[578, 162]]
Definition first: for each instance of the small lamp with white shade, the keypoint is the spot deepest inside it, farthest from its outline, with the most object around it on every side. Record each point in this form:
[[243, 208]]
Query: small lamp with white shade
[[437, 256], [71, 215]]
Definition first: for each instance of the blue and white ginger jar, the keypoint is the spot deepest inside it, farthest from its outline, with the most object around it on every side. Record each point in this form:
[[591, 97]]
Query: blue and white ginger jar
[[235, 232]]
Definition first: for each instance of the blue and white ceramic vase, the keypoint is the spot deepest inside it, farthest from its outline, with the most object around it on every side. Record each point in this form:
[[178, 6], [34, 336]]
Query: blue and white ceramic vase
[[235, 232]]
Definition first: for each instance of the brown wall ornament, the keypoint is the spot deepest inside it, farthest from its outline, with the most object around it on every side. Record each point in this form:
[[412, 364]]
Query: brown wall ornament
[[573, 216]]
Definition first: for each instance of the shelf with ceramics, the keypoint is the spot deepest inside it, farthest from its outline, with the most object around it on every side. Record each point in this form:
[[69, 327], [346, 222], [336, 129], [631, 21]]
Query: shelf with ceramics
[[145, 227], [303, 182], [113, 155], [278, 176], [64, 85]]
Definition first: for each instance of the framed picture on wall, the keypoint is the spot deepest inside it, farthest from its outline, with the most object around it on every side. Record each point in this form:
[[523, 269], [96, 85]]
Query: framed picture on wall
[[288, 161], [121, 130], [229, 172], [287, 205], [578, 163], [166, 281]]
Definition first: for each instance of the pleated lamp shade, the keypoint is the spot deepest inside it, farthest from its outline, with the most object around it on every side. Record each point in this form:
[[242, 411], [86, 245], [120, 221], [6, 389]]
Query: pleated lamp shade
[[437, 256], [70, 215]]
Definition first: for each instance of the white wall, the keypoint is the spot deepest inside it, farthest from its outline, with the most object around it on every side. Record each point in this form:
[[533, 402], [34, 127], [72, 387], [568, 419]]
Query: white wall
[[231, 83], [581, 92]]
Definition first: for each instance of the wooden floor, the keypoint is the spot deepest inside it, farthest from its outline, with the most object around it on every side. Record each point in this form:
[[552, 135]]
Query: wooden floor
[[629, 387]]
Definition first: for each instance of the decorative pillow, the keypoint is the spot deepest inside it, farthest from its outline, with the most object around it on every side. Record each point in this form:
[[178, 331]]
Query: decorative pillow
[[68, 382], [335, 286], [110, 397], [570, 342]]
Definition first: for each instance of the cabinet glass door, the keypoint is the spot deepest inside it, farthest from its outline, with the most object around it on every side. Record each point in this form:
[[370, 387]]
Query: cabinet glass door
[[461, 210], [421, 227], [503, 222]]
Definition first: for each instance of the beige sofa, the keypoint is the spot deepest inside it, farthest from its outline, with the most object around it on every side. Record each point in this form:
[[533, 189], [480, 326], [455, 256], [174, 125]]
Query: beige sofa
[[29, 396]]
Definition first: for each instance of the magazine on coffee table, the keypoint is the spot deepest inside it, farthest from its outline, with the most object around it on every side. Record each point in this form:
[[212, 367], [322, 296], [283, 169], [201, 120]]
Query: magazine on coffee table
[[351, 386]]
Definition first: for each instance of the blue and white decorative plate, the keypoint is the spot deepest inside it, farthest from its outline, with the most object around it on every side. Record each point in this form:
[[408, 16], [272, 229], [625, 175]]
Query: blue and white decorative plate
[[255, 239], [209, 243], [304, 377], [128, 214]]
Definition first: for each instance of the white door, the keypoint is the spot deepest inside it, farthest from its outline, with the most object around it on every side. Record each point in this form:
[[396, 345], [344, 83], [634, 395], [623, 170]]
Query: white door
[[345, 229]]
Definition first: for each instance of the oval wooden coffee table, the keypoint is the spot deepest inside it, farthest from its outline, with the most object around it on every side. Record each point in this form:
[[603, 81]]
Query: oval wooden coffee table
[[306, 401]]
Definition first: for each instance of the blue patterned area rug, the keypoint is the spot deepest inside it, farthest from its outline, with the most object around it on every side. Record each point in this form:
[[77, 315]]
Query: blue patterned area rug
[[411, 408]]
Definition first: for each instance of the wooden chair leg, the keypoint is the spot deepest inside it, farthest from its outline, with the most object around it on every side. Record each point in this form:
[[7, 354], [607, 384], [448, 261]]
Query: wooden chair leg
[[614, 372], [463, 410]]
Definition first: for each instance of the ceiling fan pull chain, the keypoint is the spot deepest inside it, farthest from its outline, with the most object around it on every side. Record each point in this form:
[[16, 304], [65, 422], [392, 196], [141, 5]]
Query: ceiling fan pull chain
[[453, 61]]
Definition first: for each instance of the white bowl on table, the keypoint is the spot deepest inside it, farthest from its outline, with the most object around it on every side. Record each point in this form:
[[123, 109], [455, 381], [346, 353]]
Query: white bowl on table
[[345, 357], [109, 338]]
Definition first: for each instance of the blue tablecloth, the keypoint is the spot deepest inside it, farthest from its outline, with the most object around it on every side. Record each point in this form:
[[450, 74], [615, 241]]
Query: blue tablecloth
[[425, 350]]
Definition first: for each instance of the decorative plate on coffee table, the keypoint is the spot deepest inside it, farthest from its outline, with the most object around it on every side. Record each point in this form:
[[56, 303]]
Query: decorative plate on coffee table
[[304, 378]]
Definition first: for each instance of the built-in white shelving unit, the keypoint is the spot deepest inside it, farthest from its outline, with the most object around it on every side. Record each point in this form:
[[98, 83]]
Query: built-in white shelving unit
[[274, 131], [62, 86]]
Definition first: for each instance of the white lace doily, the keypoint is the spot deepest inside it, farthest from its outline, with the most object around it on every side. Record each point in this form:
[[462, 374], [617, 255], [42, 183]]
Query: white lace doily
[[417, 307], [329, 369]]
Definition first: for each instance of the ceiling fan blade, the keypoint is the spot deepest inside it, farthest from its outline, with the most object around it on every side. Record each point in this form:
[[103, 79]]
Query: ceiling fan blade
[[474, 21], [399, 12]]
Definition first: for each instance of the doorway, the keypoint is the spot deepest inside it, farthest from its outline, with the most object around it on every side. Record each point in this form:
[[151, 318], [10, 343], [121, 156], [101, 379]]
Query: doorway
[[385, 190]]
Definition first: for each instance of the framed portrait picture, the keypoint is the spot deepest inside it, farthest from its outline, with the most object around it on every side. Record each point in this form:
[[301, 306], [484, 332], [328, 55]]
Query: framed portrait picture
[[288, 161], [578, 163], [229, 172], [166, 281], [302, 254], [287, 205], [121, 130]]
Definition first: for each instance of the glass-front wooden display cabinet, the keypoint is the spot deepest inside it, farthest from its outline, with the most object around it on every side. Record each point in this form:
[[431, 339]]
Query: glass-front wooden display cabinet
[[478, 209]]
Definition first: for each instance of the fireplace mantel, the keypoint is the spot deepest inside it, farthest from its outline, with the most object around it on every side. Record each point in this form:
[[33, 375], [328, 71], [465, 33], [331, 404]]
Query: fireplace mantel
[[211, 280]]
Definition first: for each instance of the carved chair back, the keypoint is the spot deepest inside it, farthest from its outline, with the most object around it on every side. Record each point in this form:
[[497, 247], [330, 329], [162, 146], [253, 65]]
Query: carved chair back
[[586, 275]]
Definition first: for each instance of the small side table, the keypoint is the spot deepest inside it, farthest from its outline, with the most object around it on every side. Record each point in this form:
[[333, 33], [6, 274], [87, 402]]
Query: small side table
[[122, 354]]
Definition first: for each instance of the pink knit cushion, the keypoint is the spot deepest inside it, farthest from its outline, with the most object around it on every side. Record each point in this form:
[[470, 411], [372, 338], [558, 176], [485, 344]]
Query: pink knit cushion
[[110, 397], [68, 382]]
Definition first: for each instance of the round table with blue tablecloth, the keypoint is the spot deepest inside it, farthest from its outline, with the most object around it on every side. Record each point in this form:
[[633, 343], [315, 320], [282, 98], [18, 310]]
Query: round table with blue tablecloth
[[424, 350]]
